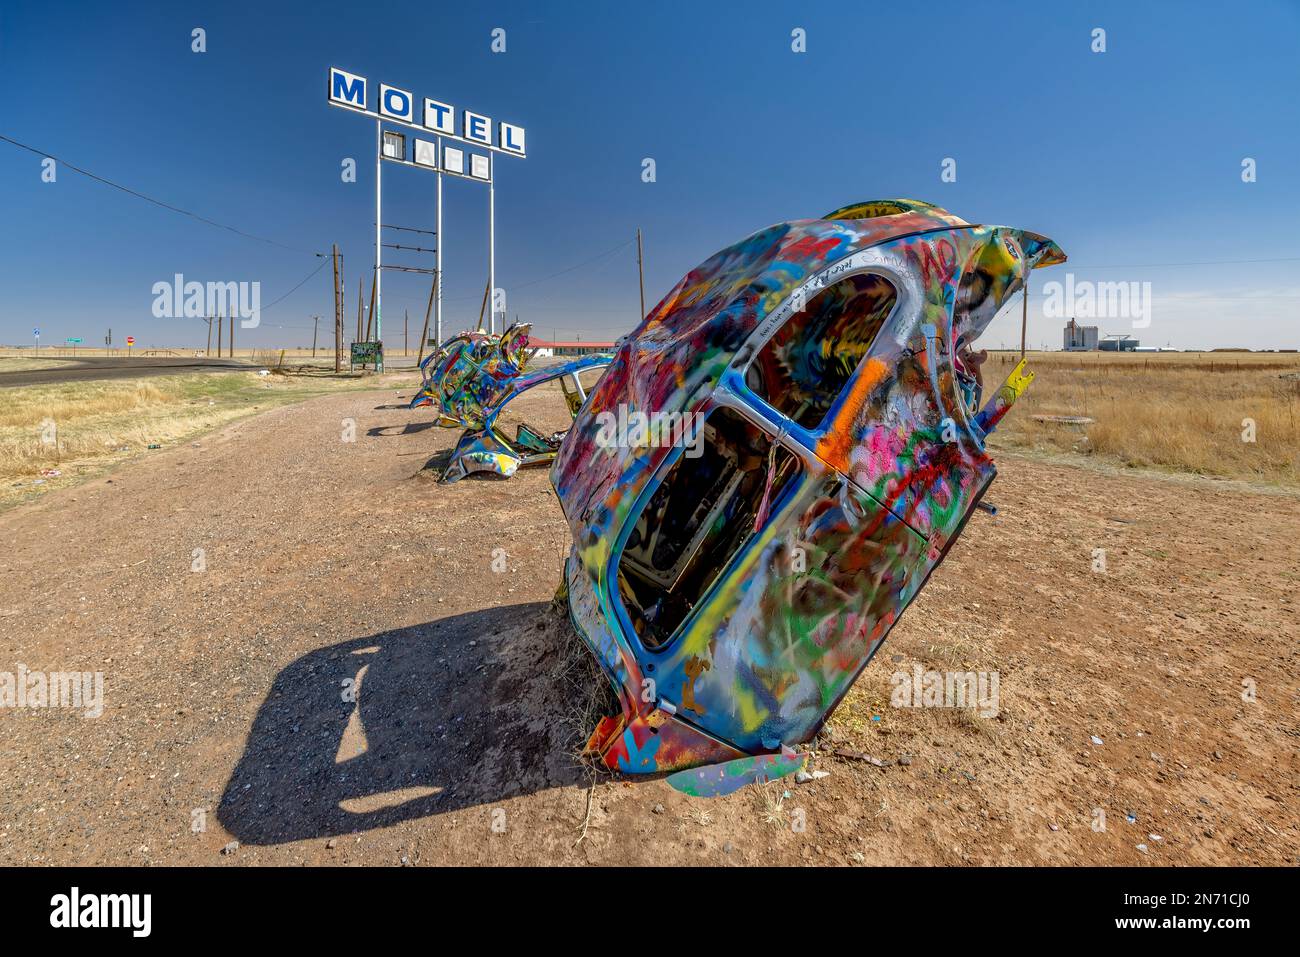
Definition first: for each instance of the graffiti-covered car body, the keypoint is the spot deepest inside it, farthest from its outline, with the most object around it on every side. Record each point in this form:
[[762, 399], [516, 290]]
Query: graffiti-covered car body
[[734, 582], [489, 449], [469, 373], [472, 377]]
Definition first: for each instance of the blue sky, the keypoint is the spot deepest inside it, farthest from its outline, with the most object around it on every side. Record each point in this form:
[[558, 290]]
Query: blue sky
[[1130, 159]]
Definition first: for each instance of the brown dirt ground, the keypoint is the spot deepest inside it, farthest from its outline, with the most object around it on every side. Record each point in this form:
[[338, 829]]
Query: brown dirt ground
[[333, 565]]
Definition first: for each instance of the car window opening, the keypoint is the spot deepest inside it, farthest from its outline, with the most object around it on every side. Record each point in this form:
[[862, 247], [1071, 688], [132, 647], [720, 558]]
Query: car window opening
[[700, 516], [804, 367]]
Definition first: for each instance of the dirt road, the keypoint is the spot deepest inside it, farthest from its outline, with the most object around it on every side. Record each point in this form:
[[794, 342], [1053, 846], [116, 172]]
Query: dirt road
[[239, 592]]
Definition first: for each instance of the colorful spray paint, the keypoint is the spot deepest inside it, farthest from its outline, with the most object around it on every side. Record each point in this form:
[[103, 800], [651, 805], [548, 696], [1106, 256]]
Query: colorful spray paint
[[472, 377], [733, 598]]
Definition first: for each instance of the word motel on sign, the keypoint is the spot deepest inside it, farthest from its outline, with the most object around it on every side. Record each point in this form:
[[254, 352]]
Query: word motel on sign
[[352, 91]]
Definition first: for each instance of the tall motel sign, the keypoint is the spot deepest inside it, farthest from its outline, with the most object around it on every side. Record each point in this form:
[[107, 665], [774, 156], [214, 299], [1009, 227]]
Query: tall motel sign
[[438, 154]]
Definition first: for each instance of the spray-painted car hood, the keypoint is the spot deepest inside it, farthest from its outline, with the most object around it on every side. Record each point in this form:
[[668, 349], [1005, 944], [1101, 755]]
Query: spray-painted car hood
[[470, 373], [733, 598], [472, 377]]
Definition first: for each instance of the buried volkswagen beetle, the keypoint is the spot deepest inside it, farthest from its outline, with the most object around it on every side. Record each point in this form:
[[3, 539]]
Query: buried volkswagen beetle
[[734, 580], [472, 377]]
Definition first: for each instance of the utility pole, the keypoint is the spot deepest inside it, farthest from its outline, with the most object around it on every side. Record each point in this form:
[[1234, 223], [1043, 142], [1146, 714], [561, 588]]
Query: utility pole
[[315, 325], [218, 333], [108, 341], [640, 272], [406, 334], [232, 334], [361, 307], [374, 295], [1024, 308], [424, 333], [338, 344], [208, 351], [486, 290], [338, 304]]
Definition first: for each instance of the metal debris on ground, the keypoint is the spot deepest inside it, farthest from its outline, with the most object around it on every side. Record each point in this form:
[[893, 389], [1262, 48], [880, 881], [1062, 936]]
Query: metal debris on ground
[[1072, 420], [718, 779], [860, 756]]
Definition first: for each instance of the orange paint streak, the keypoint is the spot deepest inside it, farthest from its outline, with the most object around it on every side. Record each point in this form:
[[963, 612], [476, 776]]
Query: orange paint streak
[[834, 448]]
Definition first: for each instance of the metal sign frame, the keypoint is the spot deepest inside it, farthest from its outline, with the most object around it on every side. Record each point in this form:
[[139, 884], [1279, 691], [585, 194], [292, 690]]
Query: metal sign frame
[[445, 129]]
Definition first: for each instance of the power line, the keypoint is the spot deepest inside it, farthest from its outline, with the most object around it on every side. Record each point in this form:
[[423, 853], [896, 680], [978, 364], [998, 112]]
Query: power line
[[300, 284], [1193, 298], [156, 202], [319, 267], [588, 262], [1208, 262], [554, 275]]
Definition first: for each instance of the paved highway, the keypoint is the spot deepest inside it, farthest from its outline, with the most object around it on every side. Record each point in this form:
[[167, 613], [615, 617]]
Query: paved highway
[[108, 367]]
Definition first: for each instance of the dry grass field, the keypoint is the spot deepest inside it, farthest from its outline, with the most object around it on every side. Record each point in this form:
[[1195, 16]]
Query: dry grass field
[[13, 357], [53, 435], [1177, 412]]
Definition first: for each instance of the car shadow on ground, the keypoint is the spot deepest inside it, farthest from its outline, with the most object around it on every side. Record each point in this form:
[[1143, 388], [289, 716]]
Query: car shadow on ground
[[438, 463], [409, 428], [456, 713]]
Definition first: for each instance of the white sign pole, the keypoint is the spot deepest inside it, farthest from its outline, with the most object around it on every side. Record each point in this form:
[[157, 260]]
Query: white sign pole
[[437, 266], [492, 255], [379, 218]]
